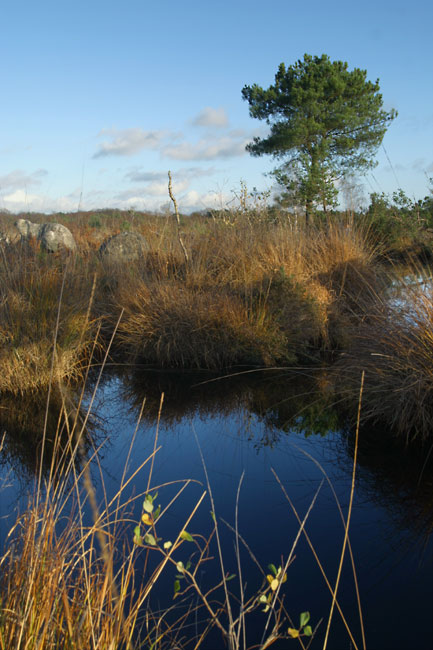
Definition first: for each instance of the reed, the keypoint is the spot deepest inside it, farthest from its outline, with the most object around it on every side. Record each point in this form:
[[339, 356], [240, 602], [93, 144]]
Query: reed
[[70, 574]]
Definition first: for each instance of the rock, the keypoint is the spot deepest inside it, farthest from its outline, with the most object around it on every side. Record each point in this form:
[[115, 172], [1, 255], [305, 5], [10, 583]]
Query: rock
[[27, 229], [55, 237], [123, 247], [52, 236]]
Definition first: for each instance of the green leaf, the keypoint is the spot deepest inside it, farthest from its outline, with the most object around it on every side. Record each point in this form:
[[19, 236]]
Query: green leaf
[[176, 587], [137, 536], [186, 536], [230, 577], [307, 630], [188, 566], [157, 512], [167, 545], [149, 539], [272, 568], [213, 516], [304, 618], [263, 599], [180, 567], [148, 506]]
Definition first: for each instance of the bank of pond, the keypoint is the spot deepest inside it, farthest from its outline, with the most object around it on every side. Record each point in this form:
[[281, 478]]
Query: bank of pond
[[187, 439], [246, 296]]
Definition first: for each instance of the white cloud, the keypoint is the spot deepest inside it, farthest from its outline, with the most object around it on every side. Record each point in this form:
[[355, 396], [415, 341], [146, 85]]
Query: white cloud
[[212, 117], [228, 146], [151, 197], [154, 189], [20, 197], [20, 200], [18, 179], [193, 200], [170, 144], [127, 142], [138, 176], [158, 201]]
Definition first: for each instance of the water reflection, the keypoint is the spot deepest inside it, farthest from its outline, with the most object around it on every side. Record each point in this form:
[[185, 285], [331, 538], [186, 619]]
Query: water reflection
[[257, 421], [285, 403], [42, 427], [396, 476], [290, 403], [285, 400]]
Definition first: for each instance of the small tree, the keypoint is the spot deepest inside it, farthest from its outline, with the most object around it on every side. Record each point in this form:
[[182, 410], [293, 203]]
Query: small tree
[[326, 122]]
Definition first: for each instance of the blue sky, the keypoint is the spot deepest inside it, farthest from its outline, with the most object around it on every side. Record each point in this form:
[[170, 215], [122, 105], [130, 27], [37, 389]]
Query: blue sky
[[101, 99]]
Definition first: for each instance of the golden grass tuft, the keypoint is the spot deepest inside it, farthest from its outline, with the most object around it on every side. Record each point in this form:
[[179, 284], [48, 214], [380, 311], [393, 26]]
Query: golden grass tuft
[[176, 326], [394, 345], [46, 332], [251, 292]]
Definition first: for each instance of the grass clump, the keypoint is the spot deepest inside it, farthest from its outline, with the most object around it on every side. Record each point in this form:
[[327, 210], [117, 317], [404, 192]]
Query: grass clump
[[45, 331], [249, 292], [176, 326], [250, 295], [394, 345]]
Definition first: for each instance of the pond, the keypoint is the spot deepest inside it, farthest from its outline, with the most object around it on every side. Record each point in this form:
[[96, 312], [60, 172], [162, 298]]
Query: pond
[[274, 439]]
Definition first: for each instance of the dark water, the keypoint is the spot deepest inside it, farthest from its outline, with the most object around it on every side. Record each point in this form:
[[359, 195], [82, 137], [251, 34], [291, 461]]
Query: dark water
[[262, 426]]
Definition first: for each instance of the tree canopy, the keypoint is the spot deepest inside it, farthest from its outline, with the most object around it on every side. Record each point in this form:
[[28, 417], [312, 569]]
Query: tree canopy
[[326, 122]]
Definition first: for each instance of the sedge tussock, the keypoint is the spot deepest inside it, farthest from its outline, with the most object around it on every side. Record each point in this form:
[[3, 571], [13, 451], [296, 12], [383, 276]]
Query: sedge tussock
[[178, 327], [394, 345]]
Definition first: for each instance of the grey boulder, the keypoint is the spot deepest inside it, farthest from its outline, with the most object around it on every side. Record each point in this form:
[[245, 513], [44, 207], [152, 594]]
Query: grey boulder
[[123, 247], [53, 237], [27, 229]]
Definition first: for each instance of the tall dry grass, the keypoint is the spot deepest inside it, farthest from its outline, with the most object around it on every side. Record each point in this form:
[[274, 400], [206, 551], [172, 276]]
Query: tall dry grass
[[250, 294], [70, 574], [394, 345], [176, 326], [42, 338]]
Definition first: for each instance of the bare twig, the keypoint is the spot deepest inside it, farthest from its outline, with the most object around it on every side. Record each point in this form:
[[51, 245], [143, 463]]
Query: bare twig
[[176, 212]]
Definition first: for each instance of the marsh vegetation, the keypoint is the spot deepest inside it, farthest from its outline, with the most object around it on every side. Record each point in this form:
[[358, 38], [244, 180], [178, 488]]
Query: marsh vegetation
[[257, 291]]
